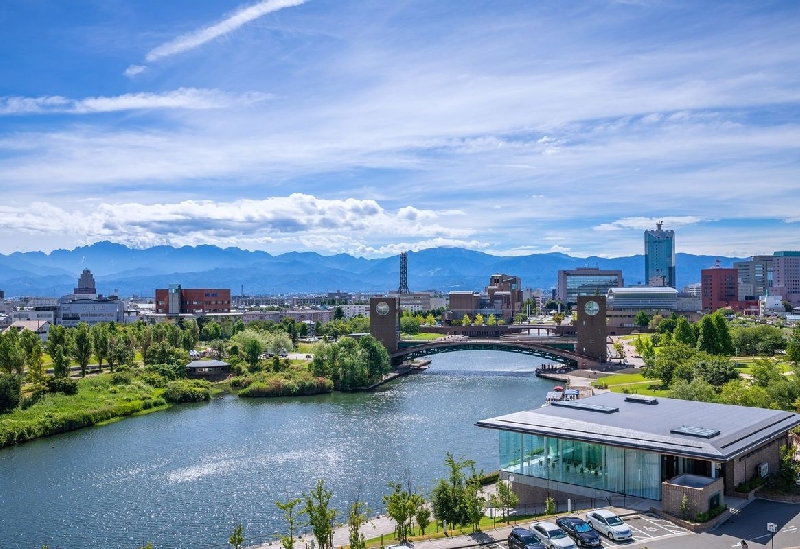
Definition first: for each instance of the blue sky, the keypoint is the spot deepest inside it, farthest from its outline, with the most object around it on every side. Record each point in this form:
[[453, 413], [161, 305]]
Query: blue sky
[[509, 127]]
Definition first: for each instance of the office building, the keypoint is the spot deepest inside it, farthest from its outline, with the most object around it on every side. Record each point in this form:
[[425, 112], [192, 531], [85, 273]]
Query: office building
[[755, 277], [176, 300], [786, 272], [85, 305], [640, 446], [720, 288], [659, 257], [586, 281]]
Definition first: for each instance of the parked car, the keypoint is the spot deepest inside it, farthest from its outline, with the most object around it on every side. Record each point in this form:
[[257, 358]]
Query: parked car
[[522, 538], [579, 530], [552, 536], [608, 524]]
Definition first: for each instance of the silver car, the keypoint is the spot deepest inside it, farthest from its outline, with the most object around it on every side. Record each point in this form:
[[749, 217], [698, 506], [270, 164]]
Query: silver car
[[552, 536], [608, 524]]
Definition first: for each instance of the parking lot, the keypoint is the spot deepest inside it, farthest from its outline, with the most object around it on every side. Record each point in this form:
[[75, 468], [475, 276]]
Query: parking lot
[[646, 529]]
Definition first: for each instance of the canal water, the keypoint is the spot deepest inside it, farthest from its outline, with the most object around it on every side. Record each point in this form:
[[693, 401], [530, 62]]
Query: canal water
[[185, 477]]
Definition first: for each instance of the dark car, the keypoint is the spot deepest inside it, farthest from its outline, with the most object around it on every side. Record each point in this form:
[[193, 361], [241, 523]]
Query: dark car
[[579, 530], [522, 538]]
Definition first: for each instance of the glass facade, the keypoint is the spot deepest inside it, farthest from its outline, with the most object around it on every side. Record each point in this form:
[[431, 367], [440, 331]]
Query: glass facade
[[620, 470], [659, 257], [586, 284]]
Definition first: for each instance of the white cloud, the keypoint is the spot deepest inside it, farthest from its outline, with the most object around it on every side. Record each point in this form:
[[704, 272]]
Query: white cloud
[[336, 225], [647, 223], [237, 19], [182, 98], [133, 70]]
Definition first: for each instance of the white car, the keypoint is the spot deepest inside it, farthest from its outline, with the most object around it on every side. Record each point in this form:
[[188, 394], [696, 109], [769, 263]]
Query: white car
[[551, 535], [608, 524]]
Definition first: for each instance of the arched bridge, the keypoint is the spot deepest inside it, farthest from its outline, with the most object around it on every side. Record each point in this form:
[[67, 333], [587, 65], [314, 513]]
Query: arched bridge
[[567, 357]]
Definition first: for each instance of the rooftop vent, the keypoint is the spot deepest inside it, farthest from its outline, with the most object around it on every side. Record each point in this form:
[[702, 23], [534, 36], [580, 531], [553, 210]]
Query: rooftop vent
[[641, 399], [693, 431], [578, 405]]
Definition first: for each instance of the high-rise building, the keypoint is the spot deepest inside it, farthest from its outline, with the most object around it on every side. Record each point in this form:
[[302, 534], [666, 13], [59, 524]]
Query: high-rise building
[[586, 281], [720, 288], [786, 266], [755, 277], [659, 257]]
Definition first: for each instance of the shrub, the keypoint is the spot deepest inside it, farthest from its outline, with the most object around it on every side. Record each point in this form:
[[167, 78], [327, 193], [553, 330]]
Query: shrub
[[711, 513], [749, 485], [187, 391], [167, 371], [62, 385], [121, 377]]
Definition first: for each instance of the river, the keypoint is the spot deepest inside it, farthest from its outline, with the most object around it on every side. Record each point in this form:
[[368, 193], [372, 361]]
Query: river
[[183, 478]]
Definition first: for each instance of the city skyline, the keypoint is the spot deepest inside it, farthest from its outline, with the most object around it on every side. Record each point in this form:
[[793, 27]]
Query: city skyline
[[512, 128]]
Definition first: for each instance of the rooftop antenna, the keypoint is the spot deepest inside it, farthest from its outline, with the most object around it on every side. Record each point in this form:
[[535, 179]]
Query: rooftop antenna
[[403, 289]]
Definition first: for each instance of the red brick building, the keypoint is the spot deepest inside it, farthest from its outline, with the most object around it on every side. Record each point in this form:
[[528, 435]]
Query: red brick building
[[719, 288], [176, 300]]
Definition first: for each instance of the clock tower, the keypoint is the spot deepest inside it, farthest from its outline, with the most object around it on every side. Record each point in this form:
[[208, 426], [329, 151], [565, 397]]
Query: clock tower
[[384, 321], [591, 327]]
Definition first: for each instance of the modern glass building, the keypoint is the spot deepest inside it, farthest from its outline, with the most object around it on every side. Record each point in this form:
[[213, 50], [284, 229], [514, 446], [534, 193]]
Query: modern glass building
[[637, 446], [586, 281], [659, 257]]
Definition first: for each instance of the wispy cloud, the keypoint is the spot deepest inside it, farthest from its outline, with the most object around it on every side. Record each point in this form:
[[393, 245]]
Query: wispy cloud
[[182, 98], [133, 70], [646, 223], [237, 19]]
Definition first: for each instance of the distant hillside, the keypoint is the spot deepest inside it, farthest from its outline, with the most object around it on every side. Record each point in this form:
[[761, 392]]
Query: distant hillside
[[128, 271]]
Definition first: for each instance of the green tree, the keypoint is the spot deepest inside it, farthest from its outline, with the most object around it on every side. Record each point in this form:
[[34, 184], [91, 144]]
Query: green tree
[[723, 334], [671, 360], [423, 517], [291, 514], [479, 319], [252, 352], [401, 506], [793, 346], [100, 342], [338, 313], [742, 393], [237, 538], [492, 320], [449, 499], [696, 389], [12, 354], [320, 515], [211, 331], [766, 372], [505, 497], [473, 501], [357, 515], [714, 369], [376, 357], [409, 324], [642, 319], [82, 346], [32, 347], [684, 333], [466, 321], [59, 350], [10, 392], [558, 318]]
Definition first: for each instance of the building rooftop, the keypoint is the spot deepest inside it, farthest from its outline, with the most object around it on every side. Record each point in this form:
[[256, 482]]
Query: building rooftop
[[682, 427]]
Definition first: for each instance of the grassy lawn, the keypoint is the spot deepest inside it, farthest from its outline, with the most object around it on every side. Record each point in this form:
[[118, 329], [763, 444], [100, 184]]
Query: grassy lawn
[[420, 337], [99, 399], [633, 383]]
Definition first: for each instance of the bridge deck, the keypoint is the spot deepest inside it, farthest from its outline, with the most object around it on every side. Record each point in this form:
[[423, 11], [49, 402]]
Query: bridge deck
[[543, 349]]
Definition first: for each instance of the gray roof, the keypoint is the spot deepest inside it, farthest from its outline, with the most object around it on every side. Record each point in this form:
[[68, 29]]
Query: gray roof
[[207, 364], [648, 426]]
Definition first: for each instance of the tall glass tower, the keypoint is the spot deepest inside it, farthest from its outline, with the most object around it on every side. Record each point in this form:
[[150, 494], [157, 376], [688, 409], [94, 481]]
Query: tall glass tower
[[659, 257]]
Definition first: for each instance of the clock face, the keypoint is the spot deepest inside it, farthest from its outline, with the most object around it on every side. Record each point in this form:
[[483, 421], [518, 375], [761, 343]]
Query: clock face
[[382, 308], [591, 307]]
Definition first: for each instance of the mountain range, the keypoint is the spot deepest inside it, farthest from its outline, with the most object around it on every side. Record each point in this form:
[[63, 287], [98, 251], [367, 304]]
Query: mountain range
[[128, 271]]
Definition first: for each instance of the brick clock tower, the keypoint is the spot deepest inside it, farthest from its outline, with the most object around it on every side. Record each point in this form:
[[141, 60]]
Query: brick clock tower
[[591, 327], [384, 321]]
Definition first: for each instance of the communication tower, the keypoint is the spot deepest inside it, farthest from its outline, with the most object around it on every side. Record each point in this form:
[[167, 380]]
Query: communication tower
[[403, 289]]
